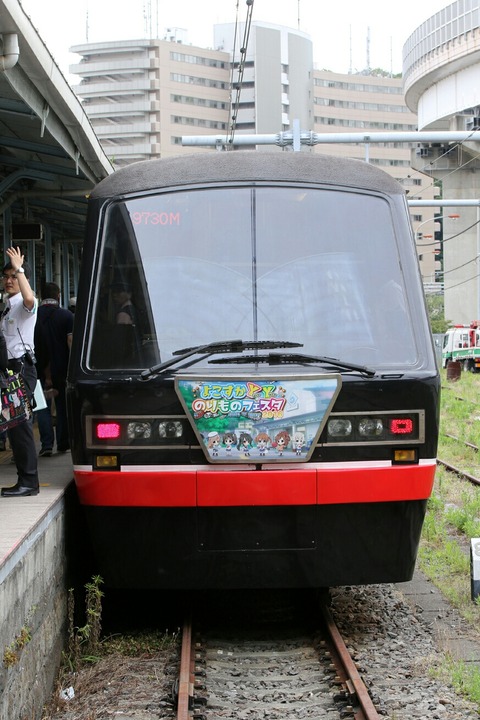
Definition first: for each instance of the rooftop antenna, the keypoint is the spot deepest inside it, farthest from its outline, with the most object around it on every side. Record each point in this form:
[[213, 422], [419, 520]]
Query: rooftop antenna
[[147, 16], [86, 24], [298, 14], [156, 18], [350, 70], [368, 48]]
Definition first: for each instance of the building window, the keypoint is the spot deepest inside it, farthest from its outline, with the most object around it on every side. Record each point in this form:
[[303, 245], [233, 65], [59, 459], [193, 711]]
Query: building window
[[198, 122], [197, 60]]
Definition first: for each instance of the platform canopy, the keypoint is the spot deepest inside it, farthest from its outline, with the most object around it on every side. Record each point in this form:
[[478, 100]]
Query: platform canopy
[[50, 157]]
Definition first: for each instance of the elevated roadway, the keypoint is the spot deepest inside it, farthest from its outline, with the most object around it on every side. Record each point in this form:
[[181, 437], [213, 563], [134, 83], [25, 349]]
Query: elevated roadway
[[441, 76]]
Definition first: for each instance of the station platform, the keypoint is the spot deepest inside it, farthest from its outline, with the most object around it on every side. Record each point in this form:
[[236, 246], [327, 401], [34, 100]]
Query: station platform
[[34, 577], [22, 517]]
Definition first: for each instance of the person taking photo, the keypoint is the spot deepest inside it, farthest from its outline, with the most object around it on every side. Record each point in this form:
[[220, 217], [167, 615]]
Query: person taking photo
[[17, 324]]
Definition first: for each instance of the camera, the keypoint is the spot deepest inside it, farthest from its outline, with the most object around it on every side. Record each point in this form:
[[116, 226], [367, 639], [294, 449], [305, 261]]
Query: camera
[[30, 357]]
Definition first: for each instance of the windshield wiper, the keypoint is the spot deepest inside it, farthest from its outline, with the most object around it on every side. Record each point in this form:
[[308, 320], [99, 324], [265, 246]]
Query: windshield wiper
[[295, 358], [233, 346]]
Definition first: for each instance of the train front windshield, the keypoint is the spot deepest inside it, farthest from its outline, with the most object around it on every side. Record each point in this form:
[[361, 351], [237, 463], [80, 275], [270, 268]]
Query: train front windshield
[[318, 267]]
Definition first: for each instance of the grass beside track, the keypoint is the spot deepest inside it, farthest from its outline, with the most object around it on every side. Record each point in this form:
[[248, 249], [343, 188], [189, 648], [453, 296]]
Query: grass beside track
[[453, 518]]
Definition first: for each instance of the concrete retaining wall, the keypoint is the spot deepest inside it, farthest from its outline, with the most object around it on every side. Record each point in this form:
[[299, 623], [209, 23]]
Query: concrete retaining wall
[[33, 609]]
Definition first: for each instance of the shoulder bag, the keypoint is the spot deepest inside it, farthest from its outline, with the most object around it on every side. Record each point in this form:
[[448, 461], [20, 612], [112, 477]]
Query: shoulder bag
[[15, 405]]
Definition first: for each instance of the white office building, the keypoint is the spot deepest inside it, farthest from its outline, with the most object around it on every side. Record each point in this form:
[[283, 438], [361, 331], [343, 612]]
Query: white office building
[[142, 96]]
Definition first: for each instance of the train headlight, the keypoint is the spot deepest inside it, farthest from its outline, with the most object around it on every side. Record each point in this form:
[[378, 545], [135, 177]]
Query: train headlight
[[339, 427], [364, 428], [170, 429], [370, 427], [136, 430]]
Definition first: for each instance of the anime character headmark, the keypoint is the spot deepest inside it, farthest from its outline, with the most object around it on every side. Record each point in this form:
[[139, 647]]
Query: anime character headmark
[[298, 442], [229, 440], [213, 442], [245, 442], [262, 441], [281, 441]]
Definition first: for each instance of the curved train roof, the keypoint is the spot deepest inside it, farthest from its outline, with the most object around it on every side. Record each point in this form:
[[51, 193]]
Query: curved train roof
[[248, 166]]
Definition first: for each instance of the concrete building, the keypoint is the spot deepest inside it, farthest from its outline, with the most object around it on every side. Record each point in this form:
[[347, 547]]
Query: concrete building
[[142, 96], [353, 103], [441, 75], [276, 75]]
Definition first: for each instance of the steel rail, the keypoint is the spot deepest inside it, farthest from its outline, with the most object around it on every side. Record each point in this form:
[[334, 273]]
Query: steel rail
[[185, 685], [348, 672], [362, 707], [461, 473], [464, 442]]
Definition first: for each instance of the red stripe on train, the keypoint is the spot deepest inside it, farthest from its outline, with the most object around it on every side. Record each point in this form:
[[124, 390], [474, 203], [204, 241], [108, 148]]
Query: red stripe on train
[[205, 488]]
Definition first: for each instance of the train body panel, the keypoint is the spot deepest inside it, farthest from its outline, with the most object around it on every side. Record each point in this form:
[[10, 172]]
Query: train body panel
[[302, 453], [325, 484], [252, 547]]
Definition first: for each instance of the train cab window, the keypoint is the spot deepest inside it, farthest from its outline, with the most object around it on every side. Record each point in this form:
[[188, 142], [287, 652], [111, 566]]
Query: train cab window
[[313, 266]]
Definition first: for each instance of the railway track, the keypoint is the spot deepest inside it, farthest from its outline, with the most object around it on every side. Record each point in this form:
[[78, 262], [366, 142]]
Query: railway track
[[454, 469], [464, 442], [391, 646], [277, 670], [457, 471]]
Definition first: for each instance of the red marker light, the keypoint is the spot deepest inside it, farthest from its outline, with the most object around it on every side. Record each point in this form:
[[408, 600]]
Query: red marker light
[[401, 426], [105, 431]]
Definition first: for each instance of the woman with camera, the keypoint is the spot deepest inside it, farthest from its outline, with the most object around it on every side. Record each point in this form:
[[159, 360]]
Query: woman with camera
[[17, 324]]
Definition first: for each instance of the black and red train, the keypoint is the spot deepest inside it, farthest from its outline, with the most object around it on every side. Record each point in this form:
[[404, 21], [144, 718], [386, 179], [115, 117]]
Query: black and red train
[[253, 392]]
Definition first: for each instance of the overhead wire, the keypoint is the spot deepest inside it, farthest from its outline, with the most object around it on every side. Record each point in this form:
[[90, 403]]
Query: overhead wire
[[464, 282], [235, 104], [232, 69], [237, 85], [459, 267], [452, 237], [429, 167]]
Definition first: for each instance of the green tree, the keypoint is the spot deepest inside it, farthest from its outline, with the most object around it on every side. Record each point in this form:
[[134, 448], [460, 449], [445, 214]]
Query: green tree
[[436, 312]]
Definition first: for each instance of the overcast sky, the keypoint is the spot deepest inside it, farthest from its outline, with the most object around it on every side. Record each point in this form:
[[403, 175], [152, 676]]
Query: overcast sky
[[341, 31]]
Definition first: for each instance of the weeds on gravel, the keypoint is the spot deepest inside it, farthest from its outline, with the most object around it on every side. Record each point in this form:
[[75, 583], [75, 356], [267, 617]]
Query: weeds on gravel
[[464, 678], [95, 667], [144, 644], [84, 642], [466, 515]]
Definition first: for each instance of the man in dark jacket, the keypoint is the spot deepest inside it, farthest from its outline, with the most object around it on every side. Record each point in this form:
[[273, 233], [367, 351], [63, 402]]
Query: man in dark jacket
[[53, 339]]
